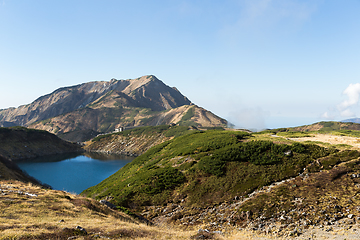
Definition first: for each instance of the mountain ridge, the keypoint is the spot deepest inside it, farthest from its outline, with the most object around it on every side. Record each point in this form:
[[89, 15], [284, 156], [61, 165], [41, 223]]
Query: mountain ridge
[[62, 101], [102, 106]]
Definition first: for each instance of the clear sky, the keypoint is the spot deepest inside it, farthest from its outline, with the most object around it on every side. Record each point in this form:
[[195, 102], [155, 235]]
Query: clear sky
[[257, 63]]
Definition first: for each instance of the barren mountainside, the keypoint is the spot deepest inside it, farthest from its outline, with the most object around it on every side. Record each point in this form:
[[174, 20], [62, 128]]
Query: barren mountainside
[[147, 92], [103, 106]]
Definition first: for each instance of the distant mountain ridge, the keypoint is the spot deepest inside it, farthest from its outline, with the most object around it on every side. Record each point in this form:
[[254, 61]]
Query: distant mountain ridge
[[102, 106], [353, 120], [322, 126]]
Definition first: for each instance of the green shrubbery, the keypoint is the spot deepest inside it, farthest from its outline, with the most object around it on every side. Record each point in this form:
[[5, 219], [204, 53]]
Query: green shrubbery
[[162, 179], [167, 130], [207, 166]]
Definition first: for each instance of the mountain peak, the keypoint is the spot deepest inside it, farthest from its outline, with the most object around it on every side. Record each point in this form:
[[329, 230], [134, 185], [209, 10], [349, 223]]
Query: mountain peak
[[146, 91], [101, 105], [141, 81]]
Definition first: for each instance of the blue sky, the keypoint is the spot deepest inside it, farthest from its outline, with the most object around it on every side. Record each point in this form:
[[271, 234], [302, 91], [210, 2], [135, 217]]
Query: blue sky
[[258, 63]]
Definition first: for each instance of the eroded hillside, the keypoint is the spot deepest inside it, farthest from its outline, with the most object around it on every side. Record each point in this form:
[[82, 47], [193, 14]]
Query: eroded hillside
[[105, 119]]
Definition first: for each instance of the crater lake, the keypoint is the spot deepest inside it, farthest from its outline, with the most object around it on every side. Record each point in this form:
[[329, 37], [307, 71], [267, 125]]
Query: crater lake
[[73, 172]]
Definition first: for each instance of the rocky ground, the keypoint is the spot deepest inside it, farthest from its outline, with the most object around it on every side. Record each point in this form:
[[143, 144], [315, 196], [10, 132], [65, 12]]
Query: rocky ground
[[226, 219], [321, 205], [126, 145]]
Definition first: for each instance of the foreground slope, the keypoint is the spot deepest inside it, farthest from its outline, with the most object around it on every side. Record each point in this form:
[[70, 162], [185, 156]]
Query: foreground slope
[[30, 212]]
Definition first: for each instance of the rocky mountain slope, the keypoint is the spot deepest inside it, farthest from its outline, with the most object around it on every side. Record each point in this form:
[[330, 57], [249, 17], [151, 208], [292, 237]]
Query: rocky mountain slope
[[108, 119], [103, 106], [147, 92]]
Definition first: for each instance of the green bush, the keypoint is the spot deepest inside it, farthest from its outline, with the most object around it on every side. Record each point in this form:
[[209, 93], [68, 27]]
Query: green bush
[[212, 166], [163, 179], [206, 166]]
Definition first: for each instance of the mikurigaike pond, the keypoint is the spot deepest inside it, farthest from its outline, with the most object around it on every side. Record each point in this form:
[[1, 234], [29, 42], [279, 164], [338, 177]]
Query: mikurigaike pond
[[73, 172]]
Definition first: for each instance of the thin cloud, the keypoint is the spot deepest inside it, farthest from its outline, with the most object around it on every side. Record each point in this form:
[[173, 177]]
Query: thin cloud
[[265, 12], [327, 116], [260, 16], [347, 113], [249, 118], [187, 8]]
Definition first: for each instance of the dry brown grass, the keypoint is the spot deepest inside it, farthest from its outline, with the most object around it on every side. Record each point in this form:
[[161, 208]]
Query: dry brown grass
[[56, 214]]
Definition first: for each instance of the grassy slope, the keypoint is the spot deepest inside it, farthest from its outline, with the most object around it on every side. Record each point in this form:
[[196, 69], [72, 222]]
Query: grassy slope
[[205, 168], [30, 212]]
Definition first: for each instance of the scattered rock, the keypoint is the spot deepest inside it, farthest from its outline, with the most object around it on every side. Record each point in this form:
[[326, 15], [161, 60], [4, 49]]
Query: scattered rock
[[288, 153], [329, 229], [81, 229], [108, 204]]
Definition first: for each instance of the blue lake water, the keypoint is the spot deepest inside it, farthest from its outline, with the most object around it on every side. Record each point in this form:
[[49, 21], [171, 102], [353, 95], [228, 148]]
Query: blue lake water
[[73, 173]]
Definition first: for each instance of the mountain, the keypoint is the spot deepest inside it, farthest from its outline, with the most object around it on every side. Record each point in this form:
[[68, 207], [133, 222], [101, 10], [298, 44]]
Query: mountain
[[103, 106], [321, 126], [353, 120]]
